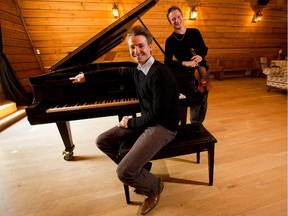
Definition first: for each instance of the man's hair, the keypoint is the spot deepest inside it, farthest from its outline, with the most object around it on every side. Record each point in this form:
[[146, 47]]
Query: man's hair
[[171, 9], [139, 30]]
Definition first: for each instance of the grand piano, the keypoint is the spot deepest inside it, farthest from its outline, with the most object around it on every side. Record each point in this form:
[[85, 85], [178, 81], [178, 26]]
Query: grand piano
[[57, 100]]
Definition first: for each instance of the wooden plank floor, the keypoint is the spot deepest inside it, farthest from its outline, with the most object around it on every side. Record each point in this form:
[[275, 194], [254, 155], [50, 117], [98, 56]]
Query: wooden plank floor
[[250, 176]]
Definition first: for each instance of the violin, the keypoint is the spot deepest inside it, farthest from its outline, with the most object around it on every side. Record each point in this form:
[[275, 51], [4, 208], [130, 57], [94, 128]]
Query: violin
[[200, 73]]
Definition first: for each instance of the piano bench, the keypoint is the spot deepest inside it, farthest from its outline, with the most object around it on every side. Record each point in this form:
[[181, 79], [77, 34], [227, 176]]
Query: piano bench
[[185, 142]]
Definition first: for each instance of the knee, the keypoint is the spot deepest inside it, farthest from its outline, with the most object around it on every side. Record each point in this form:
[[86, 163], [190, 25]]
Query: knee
[[125, 175], [100, 141]]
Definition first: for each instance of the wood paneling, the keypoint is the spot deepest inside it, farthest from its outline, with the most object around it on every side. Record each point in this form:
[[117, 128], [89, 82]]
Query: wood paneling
[[57, 27], [16, 43]]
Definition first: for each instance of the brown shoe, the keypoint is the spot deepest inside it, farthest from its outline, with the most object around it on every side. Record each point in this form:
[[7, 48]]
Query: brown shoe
[[151, 201]]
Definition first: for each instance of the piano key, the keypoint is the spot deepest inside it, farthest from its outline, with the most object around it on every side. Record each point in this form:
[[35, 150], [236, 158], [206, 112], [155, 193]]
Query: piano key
[[92, 105], [97, 104]]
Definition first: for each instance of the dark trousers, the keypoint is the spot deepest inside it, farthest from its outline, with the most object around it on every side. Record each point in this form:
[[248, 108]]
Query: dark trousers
[[198, 113], [130, 169]]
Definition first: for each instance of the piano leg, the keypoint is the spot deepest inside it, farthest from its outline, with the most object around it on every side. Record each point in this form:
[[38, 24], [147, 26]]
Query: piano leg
[[65, 132]]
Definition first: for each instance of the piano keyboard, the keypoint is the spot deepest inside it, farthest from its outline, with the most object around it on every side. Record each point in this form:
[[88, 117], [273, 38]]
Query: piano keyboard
[[98, 104], [93, 105]]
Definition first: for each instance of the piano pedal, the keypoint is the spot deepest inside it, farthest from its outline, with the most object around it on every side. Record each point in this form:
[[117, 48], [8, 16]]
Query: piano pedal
[[68, 155]]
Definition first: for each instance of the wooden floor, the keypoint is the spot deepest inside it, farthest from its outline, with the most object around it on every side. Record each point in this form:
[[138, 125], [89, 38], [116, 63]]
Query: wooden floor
[[250, 176]]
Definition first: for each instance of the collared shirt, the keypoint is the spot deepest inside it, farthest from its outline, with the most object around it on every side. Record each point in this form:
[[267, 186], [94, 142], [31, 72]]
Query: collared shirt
[[145, 68]]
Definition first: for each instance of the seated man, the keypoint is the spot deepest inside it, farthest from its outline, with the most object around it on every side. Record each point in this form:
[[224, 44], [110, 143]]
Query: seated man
[[158, 97]]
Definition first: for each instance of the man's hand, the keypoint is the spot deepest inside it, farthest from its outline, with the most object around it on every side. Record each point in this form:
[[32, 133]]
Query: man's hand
[[194, 61], [80, 78], [124, 122], [196, 58], [190, 64]]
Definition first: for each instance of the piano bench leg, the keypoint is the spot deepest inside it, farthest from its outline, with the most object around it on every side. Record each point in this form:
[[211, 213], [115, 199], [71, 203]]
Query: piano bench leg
[[127, 194]]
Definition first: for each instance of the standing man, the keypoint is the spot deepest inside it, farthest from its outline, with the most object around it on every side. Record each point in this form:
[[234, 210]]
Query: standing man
[[157, 92], [179, 45]]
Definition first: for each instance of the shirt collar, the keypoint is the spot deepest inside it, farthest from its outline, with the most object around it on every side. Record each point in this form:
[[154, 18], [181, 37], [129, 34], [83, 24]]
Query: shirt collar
[[145, 68]]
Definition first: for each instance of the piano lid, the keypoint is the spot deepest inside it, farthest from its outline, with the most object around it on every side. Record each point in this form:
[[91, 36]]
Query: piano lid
[[104, 41]]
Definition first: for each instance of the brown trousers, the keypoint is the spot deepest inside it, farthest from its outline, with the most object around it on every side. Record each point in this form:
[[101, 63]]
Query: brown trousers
[[130, 169]]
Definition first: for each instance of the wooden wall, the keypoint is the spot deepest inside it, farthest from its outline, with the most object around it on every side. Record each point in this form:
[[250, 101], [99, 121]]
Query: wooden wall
[[16, 43], [57, 27]]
